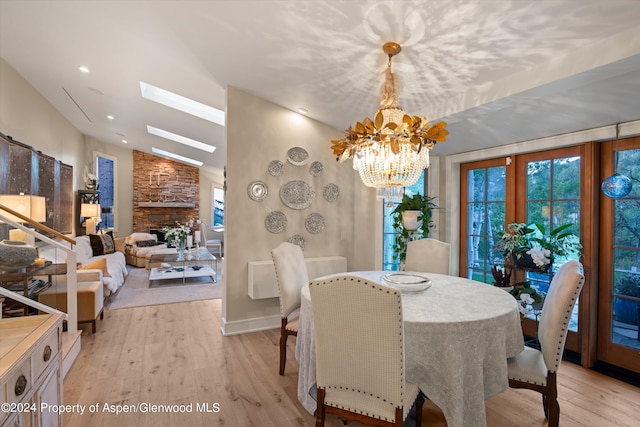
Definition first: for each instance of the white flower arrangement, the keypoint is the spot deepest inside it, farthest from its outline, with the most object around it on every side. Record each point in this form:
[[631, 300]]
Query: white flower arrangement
[[540, 256], [176, 235]]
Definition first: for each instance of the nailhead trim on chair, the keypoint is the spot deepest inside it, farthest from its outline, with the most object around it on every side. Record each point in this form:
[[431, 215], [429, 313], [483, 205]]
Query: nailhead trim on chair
[[400, 325], [565, 324]]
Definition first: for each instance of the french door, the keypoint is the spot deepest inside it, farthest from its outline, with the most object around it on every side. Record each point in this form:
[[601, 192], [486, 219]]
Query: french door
[[545, 187], [619, 290]]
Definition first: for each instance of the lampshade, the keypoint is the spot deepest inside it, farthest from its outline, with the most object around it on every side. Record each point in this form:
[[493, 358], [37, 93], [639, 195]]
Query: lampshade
[[391, 151], [90, 210], [33, 207]]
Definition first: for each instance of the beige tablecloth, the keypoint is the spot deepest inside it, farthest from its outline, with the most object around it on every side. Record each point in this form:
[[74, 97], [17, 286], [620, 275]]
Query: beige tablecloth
[[458, 336]]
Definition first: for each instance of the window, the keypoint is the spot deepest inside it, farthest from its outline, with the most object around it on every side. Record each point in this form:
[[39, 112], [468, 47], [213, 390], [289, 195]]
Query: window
[[105, 171], [388, 232], [217, 209]]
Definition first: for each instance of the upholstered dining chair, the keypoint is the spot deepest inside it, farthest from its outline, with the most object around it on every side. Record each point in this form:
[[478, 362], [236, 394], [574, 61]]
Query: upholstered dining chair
[[291, 276], [359, 345], [537, 369], [428, 255]]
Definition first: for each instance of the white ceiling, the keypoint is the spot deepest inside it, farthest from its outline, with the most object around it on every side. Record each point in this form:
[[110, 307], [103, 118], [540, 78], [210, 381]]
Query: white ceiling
[[498, 71]]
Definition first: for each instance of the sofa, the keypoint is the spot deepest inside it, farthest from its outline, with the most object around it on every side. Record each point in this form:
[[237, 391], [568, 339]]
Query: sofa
[[109, 267], [138, 248]]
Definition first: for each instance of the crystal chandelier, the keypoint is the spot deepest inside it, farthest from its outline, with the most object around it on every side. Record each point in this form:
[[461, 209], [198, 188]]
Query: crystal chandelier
[[391, 151]]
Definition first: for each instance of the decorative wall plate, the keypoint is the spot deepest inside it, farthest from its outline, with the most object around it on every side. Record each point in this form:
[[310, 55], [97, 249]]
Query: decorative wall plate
[[314, 223], [297, 156], [331, 192], [276, 167], [297, 194], [316, 168], [297, 239], [275, 222], [257, 191]]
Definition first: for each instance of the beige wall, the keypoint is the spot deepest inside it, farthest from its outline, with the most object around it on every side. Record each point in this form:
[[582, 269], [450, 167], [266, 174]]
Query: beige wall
[[257, 133], [29, 118]]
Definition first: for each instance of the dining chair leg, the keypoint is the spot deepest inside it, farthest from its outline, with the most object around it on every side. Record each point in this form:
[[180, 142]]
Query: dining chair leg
[[545, 406], [419, 406], [551, 398], [320, 414], [283, 346]]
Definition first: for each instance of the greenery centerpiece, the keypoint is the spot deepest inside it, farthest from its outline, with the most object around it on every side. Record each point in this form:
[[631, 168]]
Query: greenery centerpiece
[[424, 206]]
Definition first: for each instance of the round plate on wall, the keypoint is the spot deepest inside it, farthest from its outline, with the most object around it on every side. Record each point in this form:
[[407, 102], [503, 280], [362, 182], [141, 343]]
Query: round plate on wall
[[297, 239], [331, 192], [275, 222], [297, 194], [276, 167], [297, 156], [258, 191]]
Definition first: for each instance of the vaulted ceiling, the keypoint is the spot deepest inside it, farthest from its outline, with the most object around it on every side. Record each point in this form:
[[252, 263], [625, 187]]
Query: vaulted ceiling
[[498, 71]]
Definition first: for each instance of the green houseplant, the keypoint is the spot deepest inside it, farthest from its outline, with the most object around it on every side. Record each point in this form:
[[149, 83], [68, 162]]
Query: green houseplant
[[529, 247], [424, 205]]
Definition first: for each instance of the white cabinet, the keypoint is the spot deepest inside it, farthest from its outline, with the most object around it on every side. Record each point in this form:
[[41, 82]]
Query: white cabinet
[[30, 371]]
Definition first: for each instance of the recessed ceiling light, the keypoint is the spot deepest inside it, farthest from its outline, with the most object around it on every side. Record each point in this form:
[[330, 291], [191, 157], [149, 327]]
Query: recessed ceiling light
[[303, 110], [176, 157], [182, 103], [110, 117], [181, 139], [124, 141], [83, 69]]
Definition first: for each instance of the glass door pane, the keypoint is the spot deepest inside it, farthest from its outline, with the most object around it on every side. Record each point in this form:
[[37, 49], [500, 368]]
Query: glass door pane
[[485, 198], [553, 199], [619, 322]]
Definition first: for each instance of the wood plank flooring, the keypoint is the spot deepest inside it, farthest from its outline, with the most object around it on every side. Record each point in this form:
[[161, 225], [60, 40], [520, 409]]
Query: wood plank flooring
[[175, 354]]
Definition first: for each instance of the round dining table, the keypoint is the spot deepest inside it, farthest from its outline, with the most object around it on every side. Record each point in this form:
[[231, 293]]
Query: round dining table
[[458, 336]]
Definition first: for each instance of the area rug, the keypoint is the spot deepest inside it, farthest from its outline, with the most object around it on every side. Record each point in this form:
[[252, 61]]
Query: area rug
[[136, 291]]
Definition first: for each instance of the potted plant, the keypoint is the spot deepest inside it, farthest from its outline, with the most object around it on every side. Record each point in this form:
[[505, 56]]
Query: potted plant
[[422, 207], [529, 247]]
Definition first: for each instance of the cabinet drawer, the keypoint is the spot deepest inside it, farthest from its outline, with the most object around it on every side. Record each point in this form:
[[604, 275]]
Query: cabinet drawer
[[20, 382], [46, 353]]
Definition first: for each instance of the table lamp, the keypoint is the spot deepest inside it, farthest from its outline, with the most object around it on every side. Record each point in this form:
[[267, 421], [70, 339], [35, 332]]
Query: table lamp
[[33, 207], [90, 211]]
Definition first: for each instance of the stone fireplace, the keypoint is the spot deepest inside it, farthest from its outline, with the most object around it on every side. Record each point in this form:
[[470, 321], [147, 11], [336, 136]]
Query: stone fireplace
[[164, 191]]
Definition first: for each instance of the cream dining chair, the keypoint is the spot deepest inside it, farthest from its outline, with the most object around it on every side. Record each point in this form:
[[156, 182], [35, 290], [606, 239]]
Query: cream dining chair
[[537, 369], [359, 345], [210, 244], [428, 255], [291, 276]]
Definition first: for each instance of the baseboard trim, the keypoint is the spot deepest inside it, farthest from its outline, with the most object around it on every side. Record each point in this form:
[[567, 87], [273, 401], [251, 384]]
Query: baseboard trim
[[71, 349], [249, 325]]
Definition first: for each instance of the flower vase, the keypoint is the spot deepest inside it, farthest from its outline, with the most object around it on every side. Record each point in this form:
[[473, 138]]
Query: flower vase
[[525, 262], [181, 246]]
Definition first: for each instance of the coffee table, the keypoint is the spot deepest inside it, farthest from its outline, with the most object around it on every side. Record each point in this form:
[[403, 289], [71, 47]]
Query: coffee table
[[168, 266]]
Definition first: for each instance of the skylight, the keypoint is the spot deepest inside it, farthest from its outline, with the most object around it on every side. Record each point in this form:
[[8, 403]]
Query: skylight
[[181, 103], [176, 156], [181, 139]]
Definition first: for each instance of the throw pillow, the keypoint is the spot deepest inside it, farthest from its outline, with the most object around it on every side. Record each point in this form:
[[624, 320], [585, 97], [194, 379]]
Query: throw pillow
[[146, 243], [99, 264], [96, 244], [107, 244], [101, 244]]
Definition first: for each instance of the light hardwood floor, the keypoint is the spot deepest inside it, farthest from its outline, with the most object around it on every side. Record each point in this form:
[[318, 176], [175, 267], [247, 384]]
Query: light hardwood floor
[[176, 354]]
